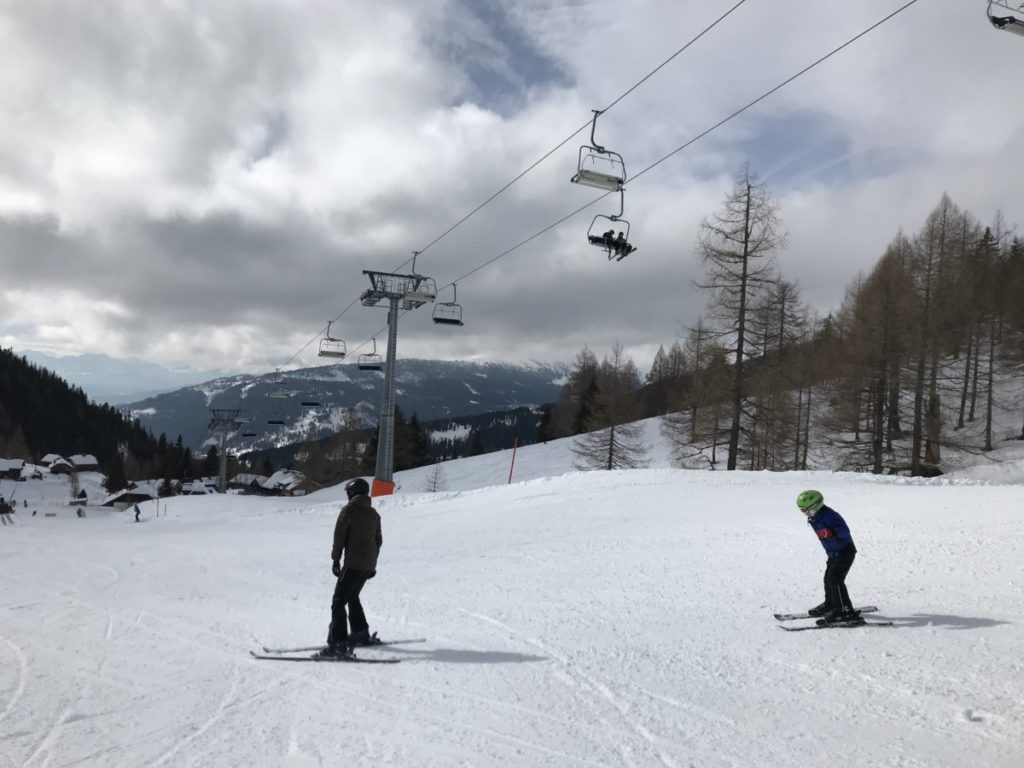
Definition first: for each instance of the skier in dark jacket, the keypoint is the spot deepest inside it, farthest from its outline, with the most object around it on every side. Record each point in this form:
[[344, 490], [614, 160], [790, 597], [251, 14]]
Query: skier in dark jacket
[[357, 537], [835, 537]]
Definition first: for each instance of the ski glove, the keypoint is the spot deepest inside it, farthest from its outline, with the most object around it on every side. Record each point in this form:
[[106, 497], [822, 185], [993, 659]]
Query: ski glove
[[336, 568]]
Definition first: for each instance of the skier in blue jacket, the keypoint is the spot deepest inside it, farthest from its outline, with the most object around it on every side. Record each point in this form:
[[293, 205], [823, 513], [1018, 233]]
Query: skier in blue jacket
[[835, 537]]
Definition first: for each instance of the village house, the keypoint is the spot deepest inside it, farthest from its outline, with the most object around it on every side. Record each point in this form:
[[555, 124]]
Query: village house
[[10, 469], [61, 467], [84, 462]]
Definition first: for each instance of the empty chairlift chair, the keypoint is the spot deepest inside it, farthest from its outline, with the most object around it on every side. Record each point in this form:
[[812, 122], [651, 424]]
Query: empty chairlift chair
[[277, 392], [448, 312], [370, 361], [331, 346], [599, 167], [277, 389]]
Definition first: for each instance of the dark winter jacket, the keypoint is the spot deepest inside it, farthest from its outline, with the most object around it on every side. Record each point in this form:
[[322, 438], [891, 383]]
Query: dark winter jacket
[[832, 531], [357, 534]]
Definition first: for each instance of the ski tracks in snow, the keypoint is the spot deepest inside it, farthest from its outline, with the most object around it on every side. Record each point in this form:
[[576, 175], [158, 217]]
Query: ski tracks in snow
[[590, 683], [19, 687], [230, 701], [226, 702]]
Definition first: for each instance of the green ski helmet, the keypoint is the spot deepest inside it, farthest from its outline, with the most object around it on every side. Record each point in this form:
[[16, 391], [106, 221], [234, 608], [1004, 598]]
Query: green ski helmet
[[810, 501]]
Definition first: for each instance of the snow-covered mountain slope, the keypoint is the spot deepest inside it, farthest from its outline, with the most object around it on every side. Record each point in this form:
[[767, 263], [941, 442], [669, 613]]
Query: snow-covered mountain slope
[[430, 388], [591, 619]]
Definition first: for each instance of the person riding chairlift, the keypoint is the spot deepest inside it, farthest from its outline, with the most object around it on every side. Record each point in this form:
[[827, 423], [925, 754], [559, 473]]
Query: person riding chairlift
[[621, 247]]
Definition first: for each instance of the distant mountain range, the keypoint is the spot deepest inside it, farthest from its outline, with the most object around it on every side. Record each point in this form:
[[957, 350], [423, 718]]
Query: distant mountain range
[[314, 400], [114, 380]]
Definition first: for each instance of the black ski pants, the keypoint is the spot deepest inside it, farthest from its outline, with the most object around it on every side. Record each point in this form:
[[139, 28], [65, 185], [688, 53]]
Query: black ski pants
[[836, 596], [346, 595]]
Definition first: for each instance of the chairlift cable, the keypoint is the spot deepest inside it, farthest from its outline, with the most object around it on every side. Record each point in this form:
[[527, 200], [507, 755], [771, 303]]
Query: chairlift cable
[[768, 93], [530, 168], [654, 71], [572, 135], [695, 139], [656, 163], [318, 335]]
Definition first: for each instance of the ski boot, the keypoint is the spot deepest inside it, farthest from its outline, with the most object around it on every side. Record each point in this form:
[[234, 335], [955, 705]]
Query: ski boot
[[363, 638], [818, 610], [846, 617], [335, 653]]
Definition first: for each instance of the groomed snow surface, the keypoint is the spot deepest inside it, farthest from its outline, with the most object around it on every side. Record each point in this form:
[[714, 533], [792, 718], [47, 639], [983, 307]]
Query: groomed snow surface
[[573, 619]]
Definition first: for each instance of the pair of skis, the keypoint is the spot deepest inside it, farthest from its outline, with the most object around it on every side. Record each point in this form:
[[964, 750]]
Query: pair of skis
[[286, 654], [821, 624]]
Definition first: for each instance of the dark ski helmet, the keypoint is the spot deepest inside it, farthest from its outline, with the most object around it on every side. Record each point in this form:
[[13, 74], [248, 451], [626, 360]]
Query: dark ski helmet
[[357, 487], [810, 501]]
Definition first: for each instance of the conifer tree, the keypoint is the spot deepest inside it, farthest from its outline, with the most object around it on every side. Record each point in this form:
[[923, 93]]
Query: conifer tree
[[115, 479], [614, 440], [737, 245], [436, 478], [576, 400], [545, 426]]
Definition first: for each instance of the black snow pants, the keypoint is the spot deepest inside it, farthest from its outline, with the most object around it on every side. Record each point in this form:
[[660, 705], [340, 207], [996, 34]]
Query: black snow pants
[[346, 594], [836, 596]]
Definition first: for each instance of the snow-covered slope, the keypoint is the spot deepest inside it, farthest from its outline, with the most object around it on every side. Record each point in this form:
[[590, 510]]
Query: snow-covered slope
[[573, 619]]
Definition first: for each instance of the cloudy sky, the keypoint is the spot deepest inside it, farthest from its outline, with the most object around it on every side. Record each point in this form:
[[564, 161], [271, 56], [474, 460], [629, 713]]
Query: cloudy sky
[[200, 183]]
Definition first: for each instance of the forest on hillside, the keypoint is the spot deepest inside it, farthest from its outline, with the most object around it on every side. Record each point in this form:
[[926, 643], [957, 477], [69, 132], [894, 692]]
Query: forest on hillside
[[907, 365], [41, 413]]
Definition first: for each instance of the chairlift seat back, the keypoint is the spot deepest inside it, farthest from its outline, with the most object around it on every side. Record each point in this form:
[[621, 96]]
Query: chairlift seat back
[[448, 313], [369, 362], [332, 348]]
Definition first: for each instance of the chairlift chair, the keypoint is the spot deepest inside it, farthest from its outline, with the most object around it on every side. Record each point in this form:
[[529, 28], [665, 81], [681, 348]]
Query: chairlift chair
[[602, 169], [277, 389], [370, 361], [331, 346], [599, 167], [276, 420], [425, 289], [250, 434], [1007, 23], [617, 246], [449, 312]]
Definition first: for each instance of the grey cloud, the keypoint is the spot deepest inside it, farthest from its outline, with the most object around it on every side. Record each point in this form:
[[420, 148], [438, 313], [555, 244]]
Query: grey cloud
[[501, 63], [276, 155]]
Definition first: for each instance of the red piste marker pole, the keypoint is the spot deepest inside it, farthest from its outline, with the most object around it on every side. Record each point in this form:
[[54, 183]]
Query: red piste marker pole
[[515, 443]]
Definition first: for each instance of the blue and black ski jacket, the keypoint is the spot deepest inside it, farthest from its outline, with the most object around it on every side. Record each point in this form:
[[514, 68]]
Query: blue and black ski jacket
[[832, 530]]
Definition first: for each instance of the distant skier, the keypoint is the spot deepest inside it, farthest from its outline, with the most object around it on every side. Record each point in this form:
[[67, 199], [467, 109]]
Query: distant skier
[[80, 512], [137, 512], [5, 512], [835, 537], [357, 534]]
